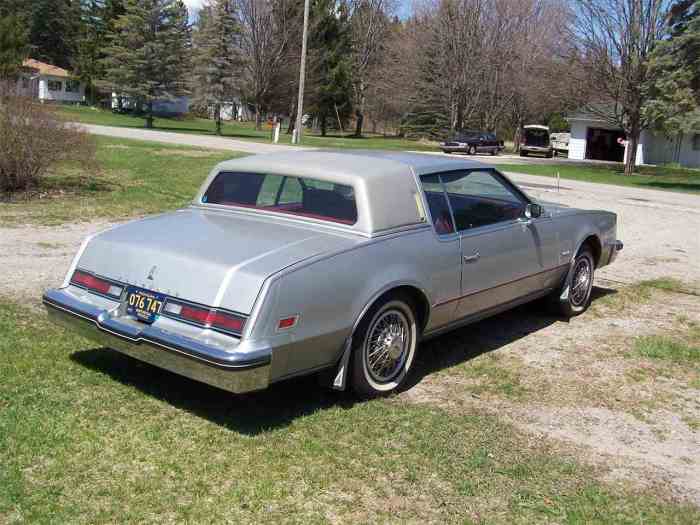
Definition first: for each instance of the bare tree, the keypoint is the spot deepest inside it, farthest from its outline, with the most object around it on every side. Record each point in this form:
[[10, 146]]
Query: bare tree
[[265, 37], [369, 22], [616, 38]]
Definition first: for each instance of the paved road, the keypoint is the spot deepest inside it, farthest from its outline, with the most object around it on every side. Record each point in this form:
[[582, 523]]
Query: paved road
[[188, 139]]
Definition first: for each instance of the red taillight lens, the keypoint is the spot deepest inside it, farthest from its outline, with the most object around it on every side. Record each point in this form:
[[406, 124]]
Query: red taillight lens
[[95, 284], [226, 321], [207, 318]]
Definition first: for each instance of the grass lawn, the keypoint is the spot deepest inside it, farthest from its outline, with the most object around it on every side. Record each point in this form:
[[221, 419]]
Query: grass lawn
[[133, 178], [240, 130], [659, 178], [89, 436]]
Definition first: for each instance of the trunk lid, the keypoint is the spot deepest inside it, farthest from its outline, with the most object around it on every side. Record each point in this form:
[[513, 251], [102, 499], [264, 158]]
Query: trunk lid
[[216, 259]]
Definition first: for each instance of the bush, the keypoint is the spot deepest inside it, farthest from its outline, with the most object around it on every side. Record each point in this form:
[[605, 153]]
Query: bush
[[33, 140]]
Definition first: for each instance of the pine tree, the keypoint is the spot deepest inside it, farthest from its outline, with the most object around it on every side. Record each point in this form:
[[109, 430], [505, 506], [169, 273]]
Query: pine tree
[[673, 98], [13, 47], [330, 70], [217, 58], [148, 55]]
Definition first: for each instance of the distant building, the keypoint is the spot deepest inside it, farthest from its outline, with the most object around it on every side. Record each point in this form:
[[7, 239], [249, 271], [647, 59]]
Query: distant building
[[49, 83], [594, 138], [234, 109], [175, 107]]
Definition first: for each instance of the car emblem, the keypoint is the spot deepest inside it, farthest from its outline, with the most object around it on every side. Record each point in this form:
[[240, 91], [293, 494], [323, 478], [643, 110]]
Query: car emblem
[[152, 273]]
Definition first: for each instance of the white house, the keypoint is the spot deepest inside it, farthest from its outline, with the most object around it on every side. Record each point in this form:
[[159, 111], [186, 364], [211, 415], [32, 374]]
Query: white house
[[594, 138], [49, 83], [234, 110]]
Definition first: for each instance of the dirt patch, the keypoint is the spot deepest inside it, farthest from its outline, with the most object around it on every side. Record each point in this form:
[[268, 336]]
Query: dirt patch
[[37, 258], [580, 383]]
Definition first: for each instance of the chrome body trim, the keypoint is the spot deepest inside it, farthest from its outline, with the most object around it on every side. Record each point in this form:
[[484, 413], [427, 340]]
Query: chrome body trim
[[235, 371]]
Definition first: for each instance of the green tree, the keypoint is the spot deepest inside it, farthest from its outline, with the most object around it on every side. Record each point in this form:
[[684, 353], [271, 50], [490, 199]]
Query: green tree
[[216, 56], [13, 46], [673, 99], [148, 55], [330, 71], [53, 27]]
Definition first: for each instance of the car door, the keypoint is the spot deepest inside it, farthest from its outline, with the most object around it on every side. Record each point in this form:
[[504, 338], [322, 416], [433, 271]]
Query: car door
[[501, 256]]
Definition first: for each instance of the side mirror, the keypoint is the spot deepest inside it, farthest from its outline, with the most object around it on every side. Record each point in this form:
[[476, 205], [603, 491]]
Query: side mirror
[[533, 211]]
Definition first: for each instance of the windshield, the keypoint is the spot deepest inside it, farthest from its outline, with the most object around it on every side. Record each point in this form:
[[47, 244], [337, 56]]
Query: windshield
[[302, 196]]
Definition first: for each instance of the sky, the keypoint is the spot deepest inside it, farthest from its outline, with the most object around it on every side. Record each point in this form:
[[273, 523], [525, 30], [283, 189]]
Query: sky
[[403, 11]]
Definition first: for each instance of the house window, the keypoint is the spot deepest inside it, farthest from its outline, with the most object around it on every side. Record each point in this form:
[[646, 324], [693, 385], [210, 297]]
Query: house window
[[696, 142], [55, 85], [72, 86]]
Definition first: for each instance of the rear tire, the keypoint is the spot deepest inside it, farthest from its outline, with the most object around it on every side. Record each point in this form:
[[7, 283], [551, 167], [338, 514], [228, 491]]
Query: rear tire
[[574, 296], [523, 153], [494, 152], [384, 346]]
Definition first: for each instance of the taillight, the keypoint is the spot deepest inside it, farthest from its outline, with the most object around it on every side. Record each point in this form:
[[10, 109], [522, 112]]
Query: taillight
[[96, 284], [205, 317]]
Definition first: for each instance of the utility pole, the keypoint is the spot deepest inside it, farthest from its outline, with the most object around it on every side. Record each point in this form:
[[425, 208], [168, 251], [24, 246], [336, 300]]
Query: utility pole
[[296, 137]]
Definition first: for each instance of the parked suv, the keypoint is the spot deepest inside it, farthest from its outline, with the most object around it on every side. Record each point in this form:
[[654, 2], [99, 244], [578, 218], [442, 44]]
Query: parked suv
[[535, 139], [473, 142]]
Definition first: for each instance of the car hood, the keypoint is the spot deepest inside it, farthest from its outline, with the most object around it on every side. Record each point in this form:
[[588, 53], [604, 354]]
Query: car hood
[[218, 259]]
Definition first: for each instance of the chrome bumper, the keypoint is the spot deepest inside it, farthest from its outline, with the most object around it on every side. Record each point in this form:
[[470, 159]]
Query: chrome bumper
[[614, 247], [236, 372]]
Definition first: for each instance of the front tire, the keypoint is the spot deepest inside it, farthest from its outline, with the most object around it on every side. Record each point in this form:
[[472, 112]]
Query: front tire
[[384, 346], [574, 296], [471, 150]]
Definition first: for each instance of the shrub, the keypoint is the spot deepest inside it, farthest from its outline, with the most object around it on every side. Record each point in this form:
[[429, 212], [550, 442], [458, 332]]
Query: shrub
[[33, 140]]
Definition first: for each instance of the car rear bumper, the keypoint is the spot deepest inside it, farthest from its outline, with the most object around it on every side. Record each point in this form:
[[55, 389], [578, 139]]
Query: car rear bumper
[[236, 372]]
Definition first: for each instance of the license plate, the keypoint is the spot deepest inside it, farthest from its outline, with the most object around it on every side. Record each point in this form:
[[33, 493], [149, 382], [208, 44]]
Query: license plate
[[143, 304]]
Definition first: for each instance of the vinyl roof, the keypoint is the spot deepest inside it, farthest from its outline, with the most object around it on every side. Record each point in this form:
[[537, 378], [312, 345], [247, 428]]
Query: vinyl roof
[[384, 182]]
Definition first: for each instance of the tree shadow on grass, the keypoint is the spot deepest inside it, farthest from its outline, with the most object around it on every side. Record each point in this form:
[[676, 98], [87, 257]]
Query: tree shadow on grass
[[282, 403]]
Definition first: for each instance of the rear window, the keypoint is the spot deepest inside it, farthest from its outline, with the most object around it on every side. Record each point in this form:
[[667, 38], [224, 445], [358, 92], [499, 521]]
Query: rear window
[[301, 196]]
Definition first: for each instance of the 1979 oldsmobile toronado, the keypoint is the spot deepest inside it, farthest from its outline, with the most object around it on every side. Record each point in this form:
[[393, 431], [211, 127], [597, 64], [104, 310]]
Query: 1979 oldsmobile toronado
[[292, 263]]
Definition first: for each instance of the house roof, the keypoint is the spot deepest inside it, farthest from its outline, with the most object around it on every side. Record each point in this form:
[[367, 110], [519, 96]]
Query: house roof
[[596, 112], [45, 69]]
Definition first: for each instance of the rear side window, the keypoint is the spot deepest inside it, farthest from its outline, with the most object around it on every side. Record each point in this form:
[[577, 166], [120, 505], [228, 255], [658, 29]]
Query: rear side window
[[284, 194], [437, 202]]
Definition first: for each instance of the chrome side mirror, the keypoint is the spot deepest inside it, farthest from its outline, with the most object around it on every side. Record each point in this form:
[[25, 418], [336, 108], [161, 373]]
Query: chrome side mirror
[[533, 211]]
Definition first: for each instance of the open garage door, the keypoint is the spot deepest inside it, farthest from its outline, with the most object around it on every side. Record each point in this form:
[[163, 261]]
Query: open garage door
[[602, 144]]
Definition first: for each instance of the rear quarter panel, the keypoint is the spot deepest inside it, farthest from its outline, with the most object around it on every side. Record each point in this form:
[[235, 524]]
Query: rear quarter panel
[[331, 293]]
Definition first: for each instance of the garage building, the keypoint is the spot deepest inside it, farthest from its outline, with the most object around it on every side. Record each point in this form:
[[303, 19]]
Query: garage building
[[594, 138]]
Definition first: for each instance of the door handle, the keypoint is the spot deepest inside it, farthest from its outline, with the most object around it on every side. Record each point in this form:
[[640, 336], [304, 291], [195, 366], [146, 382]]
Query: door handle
[[471, 258]]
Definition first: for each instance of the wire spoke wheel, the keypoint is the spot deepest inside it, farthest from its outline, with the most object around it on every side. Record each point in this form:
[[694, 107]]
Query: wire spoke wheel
[[581, 282], [386, 346]]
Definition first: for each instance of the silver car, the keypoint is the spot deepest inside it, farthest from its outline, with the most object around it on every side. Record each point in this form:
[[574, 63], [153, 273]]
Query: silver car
[[292, 263]]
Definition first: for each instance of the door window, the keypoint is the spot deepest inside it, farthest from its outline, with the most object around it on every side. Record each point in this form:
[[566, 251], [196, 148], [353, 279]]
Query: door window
[[481, 197]]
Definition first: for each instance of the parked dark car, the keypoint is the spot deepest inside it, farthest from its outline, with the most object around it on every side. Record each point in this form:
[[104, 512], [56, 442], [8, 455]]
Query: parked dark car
[[473, 142]]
